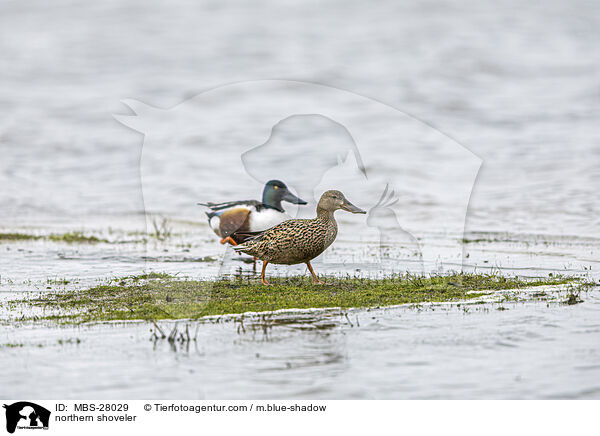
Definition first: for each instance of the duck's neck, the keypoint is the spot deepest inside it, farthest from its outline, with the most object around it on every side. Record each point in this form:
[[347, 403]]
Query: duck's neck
[[326, 215], [272, 202]]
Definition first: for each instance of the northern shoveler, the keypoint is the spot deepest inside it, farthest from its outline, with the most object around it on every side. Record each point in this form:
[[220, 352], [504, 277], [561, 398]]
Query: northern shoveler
[[251, 215], [298, 240]]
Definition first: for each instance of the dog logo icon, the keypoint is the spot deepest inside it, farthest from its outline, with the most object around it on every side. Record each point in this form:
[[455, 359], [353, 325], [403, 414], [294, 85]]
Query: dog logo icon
[[26, 415]]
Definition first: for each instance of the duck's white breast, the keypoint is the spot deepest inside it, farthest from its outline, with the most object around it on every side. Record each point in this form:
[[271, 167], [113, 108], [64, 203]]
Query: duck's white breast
[[214, 223], [265, 219]]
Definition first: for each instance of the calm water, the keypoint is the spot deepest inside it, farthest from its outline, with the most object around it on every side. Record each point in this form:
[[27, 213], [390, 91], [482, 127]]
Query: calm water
[[527, 351], [481, 117]]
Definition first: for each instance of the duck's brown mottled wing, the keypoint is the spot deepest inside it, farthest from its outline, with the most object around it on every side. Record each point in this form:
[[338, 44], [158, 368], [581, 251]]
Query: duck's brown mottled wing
[[290, 242], [236, 219]]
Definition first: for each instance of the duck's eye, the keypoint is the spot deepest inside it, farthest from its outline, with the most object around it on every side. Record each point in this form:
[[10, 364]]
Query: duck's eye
[[275, 187]]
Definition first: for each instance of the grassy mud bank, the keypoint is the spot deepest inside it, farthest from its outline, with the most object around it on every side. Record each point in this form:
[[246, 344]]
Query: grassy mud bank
[[161, 296], [69, 238]]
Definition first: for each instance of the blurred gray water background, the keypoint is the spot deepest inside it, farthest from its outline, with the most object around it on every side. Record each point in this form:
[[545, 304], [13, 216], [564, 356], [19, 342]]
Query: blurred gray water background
[[518, 84]]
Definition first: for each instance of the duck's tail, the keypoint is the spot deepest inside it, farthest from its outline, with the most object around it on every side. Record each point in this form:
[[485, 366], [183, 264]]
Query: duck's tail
[[211, 214], [243, 248], [243, 238], [240, 248]]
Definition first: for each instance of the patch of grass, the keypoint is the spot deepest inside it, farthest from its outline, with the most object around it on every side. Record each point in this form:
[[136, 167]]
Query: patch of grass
[[162, 228], [69, 341], [160, 296], [485, 240], [75, 237], [18, 237], [59, 281], [574, 295], [69, 238], [148, 276]]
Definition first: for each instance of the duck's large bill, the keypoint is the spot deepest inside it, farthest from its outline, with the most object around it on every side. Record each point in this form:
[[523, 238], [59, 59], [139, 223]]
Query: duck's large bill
[[291, 198], [351, 208]]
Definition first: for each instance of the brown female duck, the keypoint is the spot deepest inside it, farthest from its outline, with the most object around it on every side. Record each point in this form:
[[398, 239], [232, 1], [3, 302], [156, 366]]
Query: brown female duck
[[299, 240]]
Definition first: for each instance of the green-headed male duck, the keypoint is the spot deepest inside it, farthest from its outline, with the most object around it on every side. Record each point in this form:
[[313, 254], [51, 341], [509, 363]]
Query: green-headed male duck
[[227, 218]]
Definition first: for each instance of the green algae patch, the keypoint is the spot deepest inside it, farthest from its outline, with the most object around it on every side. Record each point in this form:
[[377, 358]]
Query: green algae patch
[[69, 238], [75, 238], [160, 296], [10, 237]]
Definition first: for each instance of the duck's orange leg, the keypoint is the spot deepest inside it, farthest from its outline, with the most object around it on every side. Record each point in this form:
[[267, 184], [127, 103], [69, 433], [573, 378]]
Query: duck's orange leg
[[262, 274], [312, 271], [229, 240]]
